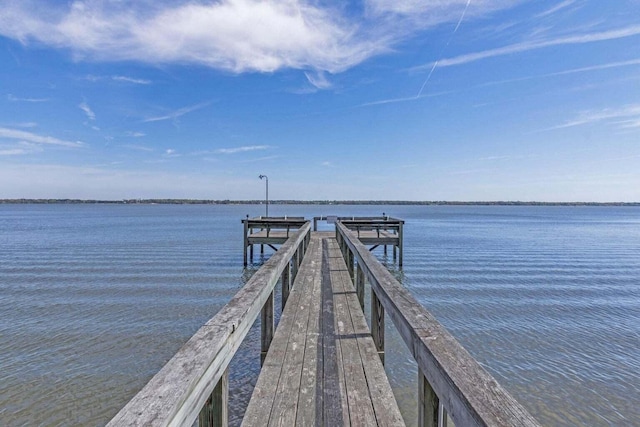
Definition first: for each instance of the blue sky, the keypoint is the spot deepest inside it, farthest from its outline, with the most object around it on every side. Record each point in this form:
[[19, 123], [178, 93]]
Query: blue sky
[[372, 99]]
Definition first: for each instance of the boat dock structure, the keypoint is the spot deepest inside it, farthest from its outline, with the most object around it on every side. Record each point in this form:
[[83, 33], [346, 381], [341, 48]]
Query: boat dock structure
[[323, 364]]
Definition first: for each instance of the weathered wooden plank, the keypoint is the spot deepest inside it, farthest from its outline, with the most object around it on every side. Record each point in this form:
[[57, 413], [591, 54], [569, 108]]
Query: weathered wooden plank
[[359, 402], [176, 394], [264, 393], [334, 409], [384, 404], [285, 405], [469, 393], [309, 411]]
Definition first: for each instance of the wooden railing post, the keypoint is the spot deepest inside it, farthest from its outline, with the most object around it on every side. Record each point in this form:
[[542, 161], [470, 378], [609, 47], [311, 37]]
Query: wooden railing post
[[286, 284], [428, 403], [400, 244], [246, 239], [215, 412], [360, 285], [377, 324], [350, 264], [266, 322]]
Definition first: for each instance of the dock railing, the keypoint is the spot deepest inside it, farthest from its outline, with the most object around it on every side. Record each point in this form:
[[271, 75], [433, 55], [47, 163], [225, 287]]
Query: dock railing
[[450, 381], [193, 385]]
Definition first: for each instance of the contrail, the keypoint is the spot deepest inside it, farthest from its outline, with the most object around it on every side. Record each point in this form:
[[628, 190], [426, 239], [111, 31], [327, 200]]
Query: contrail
[[435, 64]]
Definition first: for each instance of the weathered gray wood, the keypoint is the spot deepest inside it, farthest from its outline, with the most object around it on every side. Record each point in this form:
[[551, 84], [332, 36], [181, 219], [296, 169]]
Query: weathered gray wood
[[266, 327], [322, 367], [310, 400], [215, 412], [428, 403], [360, 286], [386, 408], [245, 242], [175, 395], [469, 393], [377, 324], [264, 393], [286, 285]]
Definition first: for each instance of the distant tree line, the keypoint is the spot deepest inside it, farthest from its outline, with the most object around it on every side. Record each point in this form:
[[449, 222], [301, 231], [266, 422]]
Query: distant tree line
[[309, 202]]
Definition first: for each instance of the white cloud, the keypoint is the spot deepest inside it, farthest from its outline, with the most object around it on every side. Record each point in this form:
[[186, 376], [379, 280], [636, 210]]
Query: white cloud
[[624, 117], [177, 113], [133, 80], [20, 135], [556, 8], [85, 107], [532, 45], [233, 35], [135, 134], [242, 149], [318, 79], [13, 98]]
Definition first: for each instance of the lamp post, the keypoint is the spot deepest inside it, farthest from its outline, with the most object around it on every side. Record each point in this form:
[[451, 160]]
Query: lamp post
[[267, 192]]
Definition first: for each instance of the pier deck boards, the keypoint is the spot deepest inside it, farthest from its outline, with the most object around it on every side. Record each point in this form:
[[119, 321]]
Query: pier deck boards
[[323, 367]]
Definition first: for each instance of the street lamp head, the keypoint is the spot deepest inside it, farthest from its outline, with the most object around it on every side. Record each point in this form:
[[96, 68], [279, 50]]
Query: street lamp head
[[262, 176]]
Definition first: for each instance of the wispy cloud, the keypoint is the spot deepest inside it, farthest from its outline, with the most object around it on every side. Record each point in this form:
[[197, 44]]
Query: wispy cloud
[[558, 7], [177, 113], [630, 63], [249, 35], [533, 45], [625, 117], [87, 110], [133, 80], [242, 149], [13, 98], [135, 134], [20, 135], [318, 79], [117, 78], [137, 147]]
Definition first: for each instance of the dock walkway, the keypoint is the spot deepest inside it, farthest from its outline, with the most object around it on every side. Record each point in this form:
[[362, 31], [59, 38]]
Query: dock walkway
[[322, 367]]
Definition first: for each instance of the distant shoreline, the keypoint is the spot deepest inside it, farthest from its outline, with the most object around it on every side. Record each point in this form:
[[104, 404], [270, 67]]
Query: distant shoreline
[[310, 202]]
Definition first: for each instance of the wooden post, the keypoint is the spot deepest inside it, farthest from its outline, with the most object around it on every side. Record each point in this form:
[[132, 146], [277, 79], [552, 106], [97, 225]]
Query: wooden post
[[215, 412], [261, 249], [295, 266], [428, 403], [246, 240], [350, 265], [400, 244], [377, 324], [286, 286], [251, 253], [266, 322], [315, 223], [360, 286]]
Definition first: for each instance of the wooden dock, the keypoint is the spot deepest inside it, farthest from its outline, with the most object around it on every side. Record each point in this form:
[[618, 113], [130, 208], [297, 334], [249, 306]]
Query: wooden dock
[[323, 365]]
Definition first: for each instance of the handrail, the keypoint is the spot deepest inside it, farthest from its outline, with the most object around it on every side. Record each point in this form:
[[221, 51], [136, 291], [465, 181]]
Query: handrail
[[176, 394], [450, 376]]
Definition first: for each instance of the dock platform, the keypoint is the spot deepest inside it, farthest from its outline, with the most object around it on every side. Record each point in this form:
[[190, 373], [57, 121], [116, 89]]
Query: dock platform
[[323, 367]]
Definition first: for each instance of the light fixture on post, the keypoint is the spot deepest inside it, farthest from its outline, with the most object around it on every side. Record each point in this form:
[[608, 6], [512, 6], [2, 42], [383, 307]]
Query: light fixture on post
[[266, 191]]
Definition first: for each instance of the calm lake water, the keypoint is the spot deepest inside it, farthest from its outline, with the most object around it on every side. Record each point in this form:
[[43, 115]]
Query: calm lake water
[[94, 299]]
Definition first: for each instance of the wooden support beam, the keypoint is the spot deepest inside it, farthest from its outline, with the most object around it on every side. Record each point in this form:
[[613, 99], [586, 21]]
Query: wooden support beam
[[360, 286], [215, 412], [286, 285], [377, 324], [245, 241], [266, 326], [428, 403]]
